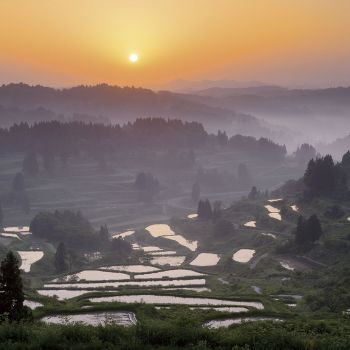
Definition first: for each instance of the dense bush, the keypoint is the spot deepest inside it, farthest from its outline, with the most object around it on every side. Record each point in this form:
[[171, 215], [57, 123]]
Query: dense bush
[[179, 334]]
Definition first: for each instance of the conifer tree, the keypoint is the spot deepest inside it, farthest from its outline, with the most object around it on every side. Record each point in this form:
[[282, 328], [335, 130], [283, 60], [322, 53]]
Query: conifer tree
[[61, 258], [12, 297]]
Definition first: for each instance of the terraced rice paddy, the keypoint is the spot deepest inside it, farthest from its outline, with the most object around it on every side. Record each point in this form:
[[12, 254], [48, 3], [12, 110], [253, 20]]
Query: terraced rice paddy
[[163, 230], [28, 258], [191, 245], [176, 300], [179, 273], [168, 260], [94, 275], [32, 304], [123, 318], [164, 252], [274, 213], [10, 235], [243, 255], [287, 265], [192, 216], [276, 216], [130, 268], [132, 284], [17, 229], [63, 294], [269, 235], [228, 322], [250, 224], [151, 248], [294, 208], [159, 230], [123, 234], [205, 259]]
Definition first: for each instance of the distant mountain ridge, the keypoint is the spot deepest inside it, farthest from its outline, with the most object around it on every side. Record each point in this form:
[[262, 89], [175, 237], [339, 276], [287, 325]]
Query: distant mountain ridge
[[182, 85], [119, 104]]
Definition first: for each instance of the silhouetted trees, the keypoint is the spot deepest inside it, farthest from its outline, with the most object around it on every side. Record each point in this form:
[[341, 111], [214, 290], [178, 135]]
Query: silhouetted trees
[[104, 233], [217, 211], [12, 297], [304, 153], [54, 139], [65, 226], [147, 185], [308, 231], [262, 148], [204, 210], [61, 264], [222, 138], [120, 248], [253, 194], [323, 177], [334, 212], [345, 163]]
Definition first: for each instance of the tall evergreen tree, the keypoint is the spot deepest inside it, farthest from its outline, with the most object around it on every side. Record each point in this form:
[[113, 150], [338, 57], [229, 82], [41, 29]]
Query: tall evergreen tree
[[12, 297], [300, 231], [205, 210], [304, 153], [323, 177], [61, 258], [253, 194], [313, 228], [104, 233], [308, 231], [346, 160], [217, 211]]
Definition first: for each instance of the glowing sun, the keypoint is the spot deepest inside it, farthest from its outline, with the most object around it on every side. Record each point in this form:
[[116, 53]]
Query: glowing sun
[[133, 57]]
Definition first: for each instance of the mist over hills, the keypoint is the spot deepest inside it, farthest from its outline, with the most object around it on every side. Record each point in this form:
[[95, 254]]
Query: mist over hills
[[288, 116], [19, 102], [307, 115], [182, 85]]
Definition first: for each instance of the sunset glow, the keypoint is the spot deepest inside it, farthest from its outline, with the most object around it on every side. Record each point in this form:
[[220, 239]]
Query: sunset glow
[[133, 57], [288, 42]]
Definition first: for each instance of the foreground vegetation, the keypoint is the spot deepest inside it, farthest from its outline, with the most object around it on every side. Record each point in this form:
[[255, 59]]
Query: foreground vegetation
[[181, 333]]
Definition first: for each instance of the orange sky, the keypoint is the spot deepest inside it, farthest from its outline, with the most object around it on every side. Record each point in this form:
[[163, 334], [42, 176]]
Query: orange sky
[[67, 42]]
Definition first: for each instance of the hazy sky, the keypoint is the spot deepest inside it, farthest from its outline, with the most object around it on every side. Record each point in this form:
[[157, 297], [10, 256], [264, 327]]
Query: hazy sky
[[67, 42]]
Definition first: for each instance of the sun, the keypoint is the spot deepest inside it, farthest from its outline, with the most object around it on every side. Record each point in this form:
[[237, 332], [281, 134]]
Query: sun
[[133, 57]]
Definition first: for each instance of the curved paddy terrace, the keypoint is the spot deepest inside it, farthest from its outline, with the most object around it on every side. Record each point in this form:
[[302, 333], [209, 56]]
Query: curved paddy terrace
[[175, 300]]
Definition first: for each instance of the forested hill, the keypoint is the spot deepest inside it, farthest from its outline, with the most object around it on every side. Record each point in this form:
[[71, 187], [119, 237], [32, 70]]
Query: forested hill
[[65, 139], [21, 102]]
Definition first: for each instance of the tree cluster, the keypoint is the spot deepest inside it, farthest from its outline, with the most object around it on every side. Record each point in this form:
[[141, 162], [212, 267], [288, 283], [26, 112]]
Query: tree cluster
[[55, 139], [304, 153], [308, 231], [12, 297], [65, 226], [147, 186], [324, 177]]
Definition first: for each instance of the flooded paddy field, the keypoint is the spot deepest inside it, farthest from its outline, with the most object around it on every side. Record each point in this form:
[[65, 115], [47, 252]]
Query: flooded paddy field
[[122, 318]]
